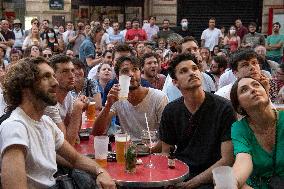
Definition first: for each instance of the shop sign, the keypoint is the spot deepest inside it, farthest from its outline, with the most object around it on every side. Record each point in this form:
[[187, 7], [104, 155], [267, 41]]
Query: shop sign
[[56, 4]]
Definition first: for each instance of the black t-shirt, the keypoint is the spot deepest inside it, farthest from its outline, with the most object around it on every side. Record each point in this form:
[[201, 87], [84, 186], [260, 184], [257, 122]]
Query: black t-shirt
[[8, 35], [185, 33], [198, 136]]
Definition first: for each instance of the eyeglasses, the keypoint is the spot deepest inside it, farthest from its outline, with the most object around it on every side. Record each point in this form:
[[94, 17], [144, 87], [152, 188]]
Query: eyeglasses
[[47, 55]]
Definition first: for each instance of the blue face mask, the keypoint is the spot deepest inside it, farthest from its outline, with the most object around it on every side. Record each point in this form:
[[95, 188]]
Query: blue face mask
[[50, 35]]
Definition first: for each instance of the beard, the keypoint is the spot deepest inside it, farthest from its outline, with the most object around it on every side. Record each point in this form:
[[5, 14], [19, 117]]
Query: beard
[[47, 98], [136, 85]]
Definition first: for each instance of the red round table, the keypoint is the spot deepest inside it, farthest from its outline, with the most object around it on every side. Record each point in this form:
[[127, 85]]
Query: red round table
[[144, 177]]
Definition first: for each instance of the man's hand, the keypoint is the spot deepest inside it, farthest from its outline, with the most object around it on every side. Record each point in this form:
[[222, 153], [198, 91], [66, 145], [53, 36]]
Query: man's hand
[[104, 181], [81, 102], [188, 185], [263, 80], [112, 96]]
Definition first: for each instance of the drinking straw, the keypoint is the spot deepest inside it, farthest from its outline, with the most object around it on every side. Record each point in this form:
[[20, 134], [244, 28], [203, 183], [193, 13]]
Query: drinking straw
[[148, 130]]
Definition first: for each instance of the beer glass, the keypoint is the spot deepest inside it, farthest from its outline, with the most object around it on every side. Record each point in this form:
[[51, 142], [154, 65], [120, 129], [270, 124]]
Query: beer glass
[[124, 83], [101, 149], [121, 141], [91, 111]]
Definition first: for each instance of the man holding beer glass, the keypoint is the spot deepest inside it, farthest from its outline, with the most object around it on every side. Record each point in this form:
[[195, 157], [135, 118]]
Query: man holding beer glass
[[67, 113], [131, 112]]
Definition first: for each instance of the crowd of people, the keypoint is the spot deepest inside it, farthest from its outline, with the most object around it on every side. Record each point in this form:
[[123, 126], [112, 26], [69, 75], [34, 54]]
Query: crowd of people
[[214, 102]]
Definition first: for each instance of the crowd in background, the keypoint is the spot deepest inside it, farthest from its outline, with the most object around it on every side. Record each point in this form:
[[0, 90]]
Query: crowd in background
[[99, 51]]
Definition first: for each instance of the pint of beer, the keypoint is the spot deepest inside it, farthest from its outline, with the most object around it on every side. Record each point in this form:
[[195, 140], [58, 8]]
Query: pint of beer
[[101, 149], [91, 111], [121, 141]]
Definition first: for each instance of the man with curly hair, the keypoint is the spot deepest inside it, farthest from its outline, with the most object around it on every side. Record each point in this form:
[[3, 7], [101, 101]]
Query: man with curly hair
[[30, 140]]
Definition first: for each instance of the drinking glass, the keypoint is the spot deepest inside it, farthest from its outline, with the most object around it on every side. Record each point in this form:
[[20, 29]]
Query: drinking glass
[[121, 141]]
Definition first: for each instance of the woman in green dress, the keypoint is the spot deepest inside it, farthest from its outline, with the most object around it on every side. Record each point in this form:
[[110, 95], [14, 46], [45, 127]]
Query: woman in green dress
[[258, 138]]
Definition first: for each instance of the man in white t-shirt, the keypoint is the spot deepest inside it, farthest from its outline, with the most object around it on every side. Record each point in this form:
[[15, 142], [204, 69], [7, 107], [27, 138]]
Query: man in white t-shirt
[[140, 101], [30, 140], [211, 36], [69, 31], [67, 113]]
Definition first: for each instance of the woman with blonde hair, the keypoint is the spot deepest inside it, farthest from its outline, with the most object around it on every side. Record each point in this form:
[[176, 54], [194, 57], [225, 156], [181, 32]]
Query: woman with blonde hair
[[232, 40], [33, 38]]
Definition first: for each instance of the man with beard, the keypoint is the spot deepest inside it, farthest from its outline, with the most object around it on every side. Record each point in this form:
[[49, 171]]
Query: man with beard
[[196, 125], [217, 68], [131, 112], [166, 31], [150, 66], [30, 140], [67, 113]]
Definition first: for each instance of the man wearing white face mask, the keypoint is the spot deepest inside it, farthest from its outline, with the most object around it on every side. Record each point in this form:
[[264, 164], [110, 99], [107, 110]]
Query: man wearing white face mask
[[184, 30]]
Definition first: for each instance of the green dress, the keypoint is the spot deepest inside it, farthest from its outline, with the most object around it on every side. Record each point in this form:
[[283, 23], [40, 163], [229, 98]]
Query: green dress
[[244, 141]]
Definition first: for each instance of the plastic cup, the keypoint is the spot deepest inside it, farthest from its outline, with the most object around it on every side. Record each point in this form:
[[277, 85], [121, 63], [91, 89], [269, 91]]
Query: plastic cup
[[224, 178], [91, 111], [124, 83], [121, 141], [101, 149]]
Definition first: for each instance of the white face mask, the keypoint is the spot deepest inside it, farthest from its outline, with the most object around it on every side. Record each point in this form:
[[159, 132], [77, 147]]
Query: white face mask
[[50, 35], [56, 30], [184, 24], [232, 32]]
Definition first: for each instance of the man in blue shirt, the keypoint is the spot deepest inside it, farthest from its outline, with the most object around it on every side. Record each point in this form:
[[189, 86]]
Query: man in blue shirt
[[87, 49]]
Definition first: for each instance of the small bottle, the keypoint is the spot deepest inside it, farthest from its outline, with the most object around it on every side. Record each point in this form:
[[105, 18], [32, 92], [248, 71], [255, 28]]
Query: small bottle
[[171, 158]]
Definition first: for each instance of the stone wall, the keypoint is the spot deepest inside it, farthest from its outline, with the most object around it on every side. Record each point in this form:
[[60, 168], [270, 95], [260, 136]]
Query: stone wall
[[270, 4], [40, 9], [162, 9]]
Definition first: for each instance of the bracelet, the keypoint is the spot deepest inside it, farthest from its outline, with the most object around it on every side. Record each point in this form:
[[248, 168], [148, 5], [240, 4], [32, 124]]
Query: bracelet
[[100, 172]]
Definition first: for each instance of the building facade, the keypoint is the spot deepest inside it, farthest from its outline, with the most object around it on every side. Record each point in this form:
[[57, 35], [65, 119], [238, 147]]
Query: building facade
[[263, 12]]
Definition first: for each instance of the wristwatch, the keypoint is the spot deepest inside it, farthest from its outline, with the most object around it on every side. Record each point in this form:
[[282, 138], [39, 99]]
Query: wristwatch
[[100, 171]]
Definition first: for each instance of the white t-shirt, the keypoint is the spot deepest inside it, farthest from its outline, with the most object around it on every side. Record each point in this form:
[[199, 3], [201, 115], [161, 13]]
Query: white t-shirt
[[211, 37], [41, 139], [58, 112], [132, 118], [225, 91], [3, 104], [227, 78]]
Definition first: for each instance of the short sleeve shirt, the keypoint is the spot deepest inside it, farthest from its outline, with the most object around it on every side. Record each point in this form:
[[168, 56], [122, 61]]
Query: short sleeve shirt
[[211, 37], [132, 118], [198, 136], [41, 139], [58, 112], [244, 141], [272, 40]]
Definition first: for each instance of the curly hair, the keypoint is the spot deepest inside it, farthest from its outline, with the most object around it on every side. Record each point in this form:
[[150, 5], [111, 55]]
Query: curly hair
[[20, 76], [134, 61]]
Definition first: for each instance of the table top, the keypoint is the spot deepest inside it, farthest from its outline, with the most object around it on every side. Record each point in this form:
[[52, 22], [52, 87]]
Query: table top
[[144, 177]]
